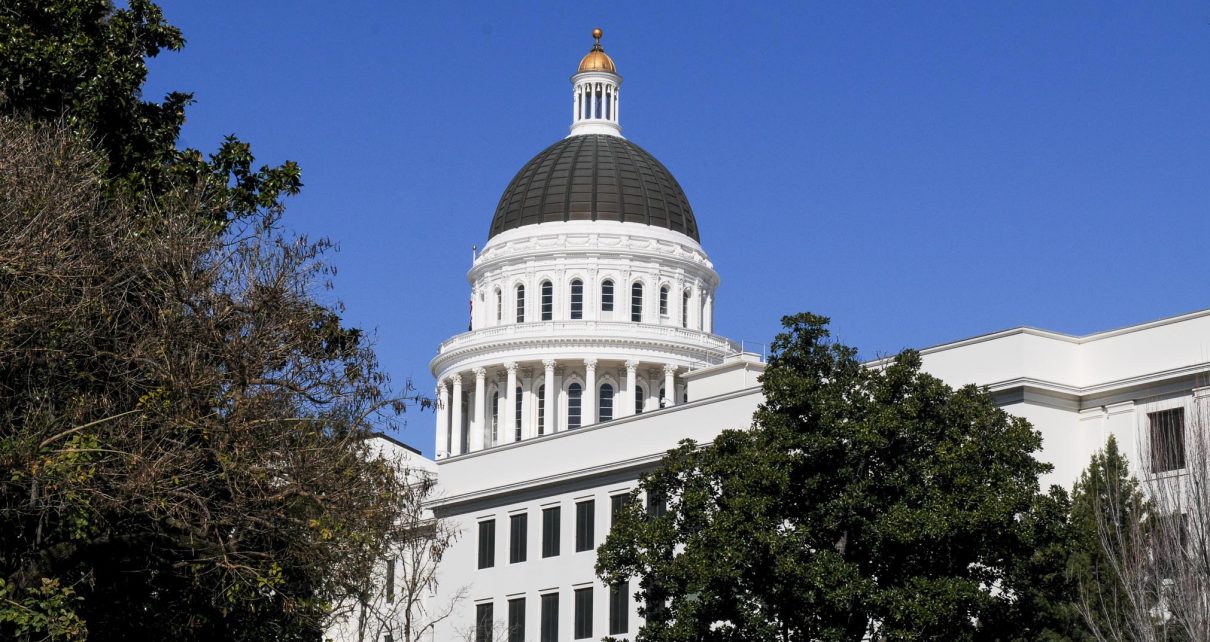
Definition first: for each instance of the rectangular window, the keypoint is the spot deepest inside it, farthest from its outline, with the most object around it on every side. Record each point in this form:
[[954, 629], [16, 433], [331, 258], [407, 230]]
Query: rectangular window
[[585, 515], [548, 301], [664, 301], [1167, 439], [483, 622], [390, 579], [619, 608], [520, 304], [607, 296], [550, 618], [517, 431], [487, 543], [616, 504], [583, 627], [541, 410], [518, 527], [516, 620], [550, 531]]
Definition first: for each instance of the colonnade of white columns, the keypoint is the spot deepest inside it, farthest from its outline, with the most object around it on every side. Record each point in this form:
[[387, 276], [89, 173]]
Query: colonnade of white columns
[[468, 421]]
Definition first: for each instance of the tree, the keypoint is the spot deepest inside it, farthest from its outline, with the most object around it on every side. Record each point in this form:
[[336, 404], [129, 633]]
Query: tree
[[86, 61], [395, 601], [1143, 554], [863, 503], [184, 427]]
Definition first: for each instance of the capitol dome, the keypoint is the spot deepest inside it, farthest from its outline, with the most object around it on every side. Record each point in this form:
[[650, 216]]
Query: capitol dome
[[594, 177]]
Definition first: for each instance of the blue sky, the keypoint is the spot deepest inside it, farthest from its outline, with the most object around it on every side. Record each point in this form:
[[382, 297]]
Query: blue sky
[[919, 172]]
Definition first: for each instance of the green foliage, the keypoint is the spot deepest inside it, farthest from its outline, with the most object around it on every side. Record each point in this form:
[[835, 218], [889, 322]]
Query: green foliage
[[46, 611], [1108, 516], [86, 61], [863, 502]]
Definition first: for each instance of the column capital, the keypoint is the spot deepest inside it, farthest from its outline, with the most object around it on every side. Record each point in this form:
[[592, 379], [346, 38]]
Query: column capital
[[631, 366], [441, 387], [669, 369], [457, 379], [510, 366], [549, 363], [591, 364], [480, 373]]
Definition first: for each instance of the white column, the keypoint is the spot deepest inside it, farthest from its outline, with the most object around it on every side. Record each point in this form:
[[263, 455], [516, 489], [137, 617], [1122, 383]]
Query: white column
[[456, 447], [443, 420], [575, 93], [548, 405], [631, 367], [653, 390], [616, 104], [589, 407], [508, 413], [478, 426], [670, 385], [527, 403], [708, 313]]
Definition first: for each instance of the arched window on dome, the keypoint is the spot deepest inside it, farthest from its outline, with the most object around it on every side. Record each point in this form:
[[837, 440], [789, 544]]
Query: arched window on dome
[[607, 295], [548, 300], [639, 396], [577, 299], [541, 410], [605, 403], [574, 397], [636, 302], [520, 303], [664, 302], [499, 306], [495, 419], [685, 309], [517, 403]]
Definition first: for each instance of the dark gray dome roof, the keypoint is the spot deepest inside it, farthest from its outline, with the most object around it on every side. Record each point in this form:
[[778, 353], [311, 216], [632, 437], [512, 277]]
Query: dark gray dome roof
[[594, 177]]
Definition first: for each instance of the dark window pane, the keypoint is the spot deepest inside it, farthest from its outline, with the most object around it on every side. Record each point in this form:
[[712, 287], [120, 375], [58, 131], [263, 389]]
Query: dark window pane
[[583, 628], [390, 580], [639, 396], [664, 301], [550, 618], [487, 543], [499, 306], [1167, 440], [483, 622], [585, 516], [574, 394], [517, 403], [636, 302], [577, 300], [516, 620], [520, 304], [518, 526], [605, 403], [685, 309], [616, 504], [607, 296], [548, 300], [550, 531], [541, 410], [619, 608]]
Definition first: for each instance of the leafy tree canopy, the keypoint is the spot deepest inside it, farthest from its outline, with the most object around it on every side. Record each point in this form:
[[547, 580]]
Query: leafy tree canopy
[[86, 61], [864, 503]]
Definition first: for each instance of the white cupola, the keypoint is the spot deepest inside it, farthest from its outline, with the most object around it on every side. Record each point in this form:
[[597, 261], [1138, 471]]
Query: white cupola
[[595, 93]]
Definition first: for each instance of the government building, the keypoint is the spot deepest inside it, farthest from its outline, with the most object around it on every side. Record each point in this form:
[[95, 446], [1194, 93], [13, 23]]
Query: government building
[[592, 351]]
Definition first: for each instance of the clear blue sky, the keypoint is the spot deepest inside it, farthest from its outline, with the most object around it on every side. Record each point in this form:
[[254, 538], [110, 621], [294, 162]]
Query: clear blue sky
[[919, 172]]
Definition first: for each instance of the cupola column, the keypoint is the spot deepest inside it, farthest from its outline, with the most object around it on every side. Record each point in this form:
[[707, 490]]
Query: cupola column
[[443, 420], [548, 404], [508, 401], [590, 392], [627, 409], [456, 447], [479, 425], [669, 385]]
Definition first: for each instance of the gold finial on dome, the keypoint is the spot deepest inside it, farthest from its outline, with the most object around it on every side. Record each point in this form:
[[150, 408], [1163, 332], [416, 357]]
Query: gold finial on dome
[[597, 59]]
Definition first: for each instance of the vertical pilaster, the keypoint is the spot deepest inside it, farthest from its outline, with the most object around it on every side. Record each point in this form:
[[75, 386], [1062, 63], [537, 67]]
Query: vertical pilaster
[[479, 425], [508, 414], [443, 420], [632, 367], [456, 447], [589, 406], [670, 385], [548, 406]]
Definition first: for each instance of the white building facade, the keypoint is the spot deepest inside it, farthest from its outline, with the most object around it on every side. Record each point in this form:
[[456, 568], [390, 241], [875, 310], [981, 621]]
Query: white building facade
[[591, 352]]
